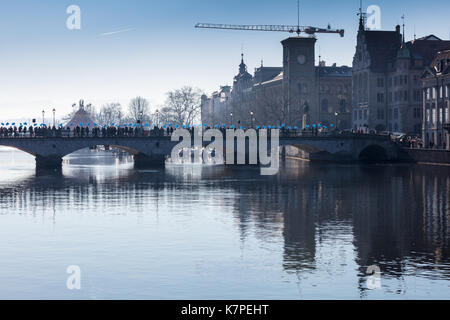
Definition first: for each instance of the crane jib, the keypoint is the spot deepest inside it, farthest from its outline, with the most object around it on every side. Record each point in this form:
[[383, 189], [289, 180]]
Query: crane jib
[[276, 28]]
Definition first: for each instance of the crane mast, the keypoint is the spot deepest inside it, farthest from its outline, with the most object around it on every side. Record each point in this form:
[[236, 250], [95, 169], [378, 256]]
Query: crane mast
[[274, 28]]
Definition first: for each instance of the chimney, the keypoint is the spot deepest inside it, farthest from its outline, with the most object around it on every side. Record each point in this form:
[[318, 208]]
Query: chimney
[[397, 28]]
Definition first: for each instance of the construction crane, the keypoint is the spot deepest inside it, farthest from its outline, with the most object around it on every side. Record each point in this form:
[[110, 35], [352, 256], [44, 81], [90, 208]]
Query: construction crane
[[311, 31], [275, 28]]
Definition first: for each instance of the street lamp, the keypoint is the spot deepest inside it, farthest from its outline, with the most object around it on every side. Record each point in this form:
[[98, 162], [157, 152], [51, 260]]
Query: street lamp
[[157, 118], [336, 122], [231, 115], [43, 116], [54, 117], [252, 119]]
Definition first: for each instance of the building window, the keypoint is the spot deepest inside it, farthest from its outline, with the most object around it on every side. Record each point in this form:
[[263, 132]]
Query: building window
[[324, 105], [433, 115], [380, 83], [417, 95], [417, 128], [406, 79], [343, 106], [446, 119], [405, 96], [417, 113], [380, 98], [360, 114], [365, 115], [355, 115]]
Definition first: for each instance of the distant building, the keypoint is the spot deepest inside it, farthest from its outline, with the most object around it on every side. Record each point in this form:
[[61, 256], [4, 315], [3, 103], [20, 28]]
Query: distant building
[[436, 102], [215, 109], [81, 118], [297, 94], [387, 89]]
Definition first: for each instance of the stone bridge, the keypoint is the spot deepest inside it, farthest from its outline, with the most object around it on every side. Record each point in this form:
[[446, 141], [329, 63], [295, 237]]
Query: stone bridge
[[153, 151], [342, 148]]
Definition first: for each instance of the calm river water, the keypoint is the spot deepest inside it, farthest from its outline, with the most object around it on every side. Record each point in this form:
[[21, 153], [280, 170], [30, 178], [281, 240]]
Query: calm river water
[[209, 232]]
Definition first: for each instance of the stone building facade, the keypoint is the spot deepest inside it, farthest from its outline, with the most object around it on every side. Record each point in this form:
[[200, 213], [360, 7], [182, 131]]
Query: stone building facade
[[387, 89], [436, 102], [215, 108], [300, 93]]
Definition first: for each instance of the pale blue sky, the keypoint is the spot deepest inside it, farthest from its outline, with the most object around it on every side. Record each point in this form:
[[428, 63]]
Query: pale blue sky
[[45, 65]]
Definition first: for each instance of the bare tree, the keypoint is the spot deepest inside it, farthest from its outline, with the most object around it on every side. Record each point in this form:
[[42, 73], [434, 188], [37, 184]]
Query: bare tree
[[110, 113], [138, 109], [182, 106]]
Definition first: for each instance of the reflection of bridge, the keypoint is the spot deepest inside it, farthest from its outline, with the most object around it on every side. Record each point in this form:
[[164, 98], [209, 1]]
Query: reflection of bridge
[[155, 150]]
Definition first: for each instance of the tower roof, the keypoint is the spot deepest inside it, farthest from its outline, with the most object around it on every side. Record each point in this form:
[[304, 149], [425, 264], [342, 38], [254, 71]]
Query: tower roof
[[243, 74], [81, 117]]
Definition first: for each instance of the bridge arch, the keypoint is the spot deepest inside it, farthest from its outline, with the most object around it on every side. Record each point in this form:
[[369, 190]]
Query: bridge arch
[[51, 151], [373, 153]]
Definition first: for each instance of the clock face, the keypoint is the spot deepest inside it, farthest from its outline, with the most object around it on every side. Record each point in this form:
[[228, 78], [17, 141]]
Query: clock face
[[301, 59]]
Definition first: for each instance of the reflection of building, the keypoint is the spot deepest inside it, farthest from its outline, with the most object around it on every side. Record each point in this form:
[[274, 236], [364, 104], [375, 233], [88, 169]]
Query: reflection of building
[[436, 92], [300, 93], [387, 93]]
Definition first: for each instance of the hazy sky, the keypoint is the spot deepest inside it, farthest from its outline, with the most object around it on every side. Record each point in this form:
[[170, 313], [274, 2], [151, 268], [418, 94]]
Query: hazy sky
[[44, 65]]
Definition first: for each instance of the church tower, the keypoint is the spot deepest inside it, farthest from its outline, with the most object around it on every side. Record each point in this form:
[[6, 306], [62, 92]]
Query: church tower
[[299, 81]]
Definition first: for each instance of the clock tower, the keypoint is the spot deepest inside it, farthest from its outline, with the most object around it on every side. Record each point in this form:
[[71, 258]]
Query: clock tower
[[299, 81]]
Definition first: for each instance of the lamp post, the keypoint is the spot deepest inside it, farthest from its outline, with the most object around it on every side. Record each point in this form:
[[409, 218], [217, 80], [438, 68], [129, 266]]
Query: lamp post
[[231, 115], [141, 118], [54, 117], [43, 116], [336, 121], [252, 119], [157, 118]]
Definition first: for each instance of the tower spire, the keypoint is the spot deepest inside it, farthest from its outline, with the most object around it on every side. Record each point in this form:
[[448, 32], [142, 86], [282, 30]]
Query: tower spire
[[242, 66], [362, 17], [403, 18]]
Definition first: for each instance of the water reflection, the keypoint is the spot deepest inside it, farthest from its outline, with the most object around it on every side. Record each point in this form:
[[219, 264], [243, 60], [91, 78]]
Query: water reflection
[[320, 225]]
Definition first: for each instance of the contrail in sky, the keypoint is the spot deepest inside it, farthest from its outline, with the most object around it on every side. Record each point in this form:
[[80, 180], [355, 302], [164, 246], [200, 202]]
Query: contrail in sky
[[116, 32]]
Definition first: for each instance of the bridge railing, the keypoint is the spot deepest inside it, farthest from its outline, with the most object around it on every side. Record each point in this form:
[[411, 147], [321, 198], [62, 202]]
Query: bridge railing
[[114, 132], [94, 133]]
